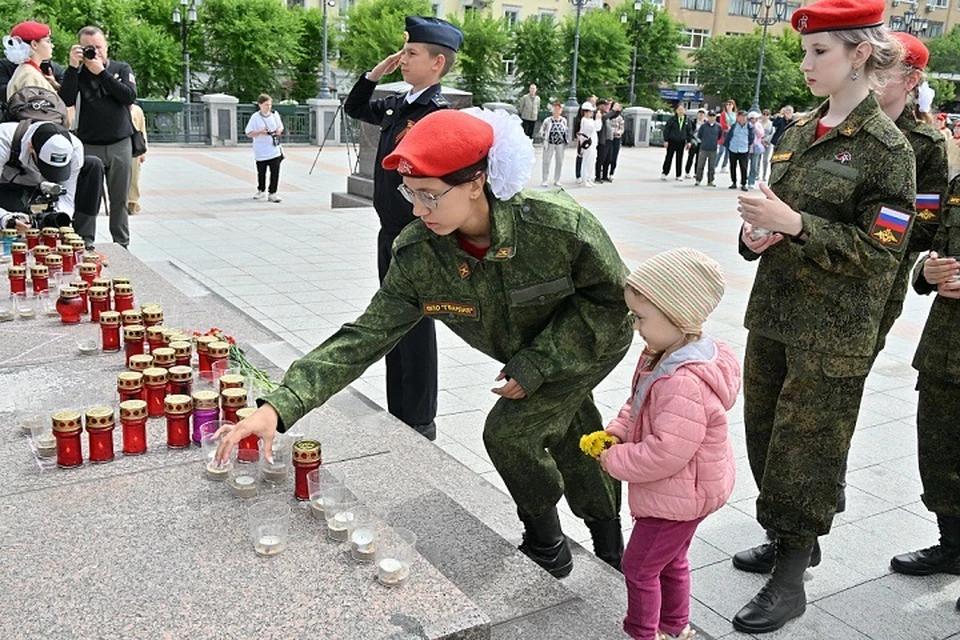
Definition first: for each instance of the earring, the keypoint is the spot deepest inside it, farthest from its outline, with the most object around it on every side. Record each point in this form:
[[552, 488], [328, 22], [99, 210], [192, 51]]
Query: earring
[[855, 75]]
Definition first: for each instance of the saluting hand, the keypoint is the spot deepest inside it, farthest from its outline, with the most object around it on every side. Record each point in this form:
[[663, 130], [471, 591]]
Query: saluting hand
[[387, 66], [262, 422], [511, 390], [770, 212]]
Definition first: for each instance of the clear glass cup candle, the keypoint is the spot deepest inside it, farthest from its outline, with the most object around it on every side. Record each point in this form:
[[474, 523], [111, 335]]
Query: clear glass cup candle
[[278, 471], [243, 477], [8, 309], [338, 505], [363, 533], [318, 481], [395, 555], [269, 522], [208, 445]]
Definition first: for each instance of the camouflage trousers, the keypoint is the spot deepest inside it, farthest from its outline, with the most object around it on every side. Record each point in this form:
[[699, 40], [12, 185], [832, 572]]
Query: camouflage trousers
[[800, 411], [938, 431], [534, 444]]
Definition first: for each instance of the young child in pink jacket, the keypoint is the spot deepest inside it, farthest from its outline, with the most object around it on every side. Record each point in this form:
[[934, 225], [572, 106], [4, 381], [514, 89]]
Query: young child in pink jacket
[[673, 447]]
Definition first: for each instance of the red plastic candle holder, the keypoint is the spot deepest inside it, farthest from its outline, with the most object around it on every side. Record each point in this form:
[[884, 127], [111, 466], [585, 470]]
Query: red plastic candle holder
[[133, 341], [130, 386], [155, 382], [66, 429], [178, 408], [100, 423], [18, 280], [133, 421], [69, 305], [306, 458]]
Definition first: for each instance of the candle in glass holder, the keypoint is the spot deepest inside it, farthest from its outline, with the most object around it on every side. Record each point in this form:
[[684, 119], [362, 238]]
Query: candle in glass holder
[[164, 357], [306, 458], [18, 254], [155, 382], [78, 246], [152, 315], [83, 289], [180, 380], [231, 401], [206, 408], [110, 331], [244, 475], [231, 381], [339, 524], [203, 360], [103, 282], [9, 237], [92, 257], [131, 317], [69, 305], [133, 340], [18, 280], [182, 352], [63, 232], [140, 362], [40, 253], [67, 257], [122, 295], [100, 423], [154, 337], [66, 428], [362, 545], [177, 408], [39, 278], [391, 572], [88, 272], [130, 386], [46, 444], [33, 238], [133, 420], [50, 236], [99, 302], [217, 354], [54, 265]]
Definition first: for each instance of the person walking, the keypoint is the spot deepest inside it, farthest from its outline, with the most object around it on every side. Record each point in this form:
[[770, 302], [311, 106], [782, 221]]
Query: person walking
[[676, 138], [529, 108], [536, 284], [756, 147], [617, 123], [694, 141], [265, 127], [728, 115], [830, 232], [738, 141], [710, 134], [427, 56]]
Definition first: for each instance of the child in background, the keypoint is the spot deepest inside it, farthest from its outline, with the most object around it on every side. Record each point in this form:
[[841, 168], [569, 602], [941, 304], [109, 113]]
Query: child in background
[[675, 452]]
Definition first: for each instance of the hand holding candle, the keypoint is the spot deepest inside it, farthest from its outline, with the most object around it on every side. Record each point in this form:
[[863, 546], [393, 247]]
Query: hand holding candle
[[263, 423]]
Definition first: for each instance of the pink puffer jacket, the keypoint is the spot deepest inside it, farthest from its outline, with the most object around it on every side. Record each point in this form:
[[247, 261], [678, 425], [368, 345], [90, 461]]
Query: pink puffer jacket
[[676, 453]]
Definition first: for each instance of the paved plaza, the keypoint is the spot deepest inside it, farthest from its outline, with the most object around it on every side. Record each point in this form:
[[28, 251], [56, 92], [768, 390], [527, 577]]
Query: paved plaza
[[301, 269]]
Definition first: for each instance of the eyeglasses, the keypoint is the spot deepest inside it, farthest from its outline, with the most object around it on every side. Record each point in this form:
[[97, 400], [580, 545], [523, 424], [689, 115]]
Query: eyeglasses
[[428, 200]]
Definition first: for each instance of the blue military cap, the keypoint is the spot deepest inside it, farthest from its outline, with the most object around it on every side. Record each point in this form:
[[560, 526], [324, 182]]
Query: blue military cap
[[430, 30]]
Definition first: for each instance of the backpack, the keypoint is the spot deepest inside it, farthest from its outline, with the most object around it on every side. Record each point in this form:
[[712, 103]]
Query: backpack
[[34, 104]]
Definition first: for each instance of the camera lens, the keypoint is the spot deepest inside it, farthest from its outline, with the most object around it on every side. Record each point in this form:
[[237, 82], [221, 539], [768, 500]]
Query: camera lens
[[89, 52]]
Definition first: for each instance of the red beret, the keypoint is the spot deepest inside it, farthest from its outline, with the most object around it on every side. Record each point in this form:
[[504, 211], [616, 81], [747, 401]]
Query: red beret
[[915, 53], [441, 143], [30, 31], [838, 15]]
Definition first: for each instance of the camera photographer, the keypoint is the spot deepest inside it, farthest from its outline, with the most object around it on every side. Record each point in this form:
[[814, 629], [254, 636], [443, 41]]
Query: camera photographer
[[47, 153], [265, 127], [102, 91]]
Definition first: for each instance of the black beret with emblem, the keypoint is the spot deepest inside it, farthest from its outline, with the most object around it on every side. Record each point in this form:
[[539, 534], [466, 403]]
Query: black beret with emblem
[[433, 31]]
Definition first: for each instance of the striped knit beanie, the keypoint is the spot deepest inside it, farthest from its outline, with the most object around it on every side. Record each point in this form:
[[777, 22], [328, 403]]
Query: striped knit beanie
[[685, 284]]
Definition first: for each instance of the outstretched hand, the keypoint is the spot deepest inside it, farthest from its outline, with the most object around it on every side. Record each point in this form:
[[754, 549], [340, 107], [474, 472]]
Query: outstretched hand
[[262, 422]]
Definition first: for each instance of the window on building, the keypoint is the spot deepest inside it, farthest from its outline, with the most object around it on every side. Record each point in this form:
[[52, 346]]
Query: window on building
[[791, 7], [687, 76], [694, 38], [741, 8], [294, 3], [934, 29], [510, 67], [697, 5], [938, 4], [658, 3], [511, 15]]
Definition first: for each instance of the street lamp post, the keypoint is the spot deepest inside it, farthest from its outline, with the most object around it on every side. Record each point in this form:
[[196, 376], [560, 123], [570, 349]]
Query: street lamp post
[[572, 99], [766, 20], [184, 15], [635, 28], [913, 23], [325, 74]]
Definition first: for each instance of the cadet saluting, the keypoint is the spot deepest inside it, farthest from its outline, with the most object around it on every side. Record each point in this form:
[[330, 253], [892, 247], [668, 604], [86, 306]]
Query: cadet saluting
[[842, 219], [427, 55], [529, 278]]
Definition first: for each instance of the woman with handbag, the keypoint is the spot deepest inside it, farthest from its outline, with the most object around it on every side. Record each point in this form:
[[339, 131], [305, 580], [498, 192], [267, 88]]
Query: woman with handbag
[[265, 127]]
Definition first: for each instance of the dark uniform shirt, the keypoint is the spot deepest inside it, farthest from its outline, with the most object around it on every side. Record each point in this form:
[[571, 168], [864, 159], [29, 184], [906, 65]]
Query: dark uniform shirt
[[394, 115], [103, 106], [855, 189], [546, 300]]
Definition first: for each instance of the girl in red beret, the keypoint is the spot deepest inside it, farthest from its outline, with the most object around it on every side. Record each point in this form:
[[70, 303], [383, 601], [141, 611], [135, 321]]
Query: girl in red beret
[[28, 46], [829, 231], [531, 279]]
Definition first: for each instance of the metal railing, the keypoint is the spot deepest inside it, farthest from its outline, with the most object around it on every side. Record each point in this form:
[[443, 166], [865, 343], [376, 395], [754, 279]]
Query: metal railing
[[176, 122], [299, 123]]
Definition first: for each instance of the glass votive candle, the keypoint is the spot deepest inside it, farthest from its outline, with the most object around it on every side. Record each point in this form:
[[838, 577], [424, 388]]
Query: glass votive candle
[[23, 306], [140, 362], [131, 317], [66, 429], [39, 278], [395, 555], [88, 272], [243, 477], [8, 309], [269, 522], [152, 315], [100, 422], [362, 534], [318, 481], [164, 357], [84, 290], [338, 505], [177, 409], [203, 360], [41, 434], [155, 383], [45, 305], [18, 279], [281, 451], [33, 238], [306, 457], [122, 296], [182, 352], [206, 409], [133, 420], [130, 386], [231, 401], [209, 442], [18, 253], [99, 302], [179, 380], [133, 340], [69, 305], [154, 337]]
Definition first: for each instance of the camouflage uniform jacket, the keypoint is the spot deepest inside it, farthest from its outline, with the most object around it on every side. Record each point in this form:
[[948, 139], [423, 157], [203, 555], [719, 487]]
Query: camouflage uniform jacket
[[854, 188], [546, 300], [939, 349]]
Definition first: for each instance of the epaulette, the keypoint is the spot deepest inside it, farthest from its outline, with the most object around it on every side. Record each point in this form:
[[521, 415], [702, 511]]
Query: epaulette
[[440, 101], [412, 234], [929, 131], [883, 129], [552, 209]]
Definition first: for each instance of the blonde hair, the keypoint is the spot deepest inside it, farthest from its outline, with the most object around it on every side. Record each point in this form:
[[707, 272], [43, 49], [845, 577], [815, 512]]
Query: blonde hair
[[885, 51]]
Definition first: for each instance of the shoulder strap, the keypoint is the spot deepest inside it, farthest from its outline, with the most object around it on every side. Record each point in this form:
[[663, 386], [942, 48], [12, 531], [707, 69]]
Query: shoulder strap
[[16, 146]]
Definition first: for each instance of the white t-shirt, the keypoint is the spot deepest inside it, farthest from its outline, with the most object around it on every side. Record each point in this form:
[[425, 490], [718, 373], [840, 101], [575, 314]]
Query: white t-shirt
[[263, 147]]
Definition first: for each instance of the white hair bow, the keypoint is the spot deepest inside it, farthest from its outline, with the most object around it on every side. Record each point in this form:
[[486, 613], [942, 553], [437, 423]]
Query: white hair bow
[[925, 97]]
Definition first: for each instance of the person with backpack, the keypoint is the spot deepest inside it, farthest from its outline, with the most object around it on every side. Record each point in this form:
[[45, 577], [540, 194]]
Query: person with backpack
[[102, 91], [29, 47]]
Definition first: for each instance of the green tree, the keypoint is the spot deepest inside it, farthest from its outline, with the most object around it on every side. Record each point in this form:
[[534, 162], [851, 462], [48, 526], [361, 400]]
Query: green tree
[[946, 90], [154, 55], [480, 60], [658, 60], [537, 47], [373, 29], [604, 54], [306, 72], [945, 51]]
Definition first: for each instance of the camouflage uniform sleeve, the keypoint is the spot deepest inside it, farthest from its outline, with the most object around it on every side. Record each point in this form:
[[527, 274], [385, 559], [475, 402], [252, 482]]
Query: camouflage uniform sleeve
[[589, 327], [932, 174], [849, 249], [342, 358], [745, 252]]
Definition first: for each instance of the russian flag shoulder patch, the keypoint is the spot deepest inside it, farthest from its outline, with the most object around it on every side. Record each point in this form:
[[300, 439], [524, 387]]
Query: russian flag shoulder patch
[[890, 226]]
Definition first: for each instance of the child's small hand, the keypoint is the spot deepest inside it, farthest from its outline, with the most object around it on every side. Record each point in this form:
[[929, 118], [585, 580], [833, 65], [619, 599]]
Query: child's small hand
[[603, 458]]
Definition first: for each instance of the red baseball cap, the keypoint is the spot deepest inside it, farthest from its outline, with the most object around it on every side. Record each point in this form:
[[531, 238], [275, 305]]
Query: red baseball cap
[[838, 15], [915, 53], [441, 143], [29, 31]]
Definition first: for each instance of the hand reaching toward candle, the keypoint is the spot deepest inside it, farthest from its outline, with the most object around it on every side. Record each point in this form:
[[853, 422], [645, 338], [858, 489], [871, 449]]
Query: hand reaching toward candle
[[262, 422]]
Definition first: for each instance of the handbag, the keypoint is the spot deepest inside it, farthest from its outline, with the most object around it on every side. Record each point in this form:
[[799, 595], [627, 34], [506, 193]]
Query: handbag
[[138, 144]]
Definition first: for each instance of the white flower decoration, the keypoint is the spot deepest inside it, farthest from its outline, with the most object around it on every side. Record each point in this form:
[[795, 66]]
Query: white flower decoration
[[925, 96], [16, 50], [510, 160]]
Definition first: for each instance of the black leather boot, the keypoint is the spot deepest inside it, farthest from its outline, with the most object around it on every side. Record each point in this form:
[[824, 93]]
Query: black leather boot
[[760, 559], [428, 431], [545, 544], [607, 541], [782, 598], [940, 558]]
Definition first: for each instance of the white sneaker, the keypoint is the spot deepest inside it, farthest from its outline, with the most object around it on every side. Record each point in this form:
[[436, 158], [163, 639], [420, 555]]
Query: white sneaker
[[679, 179], [663, 177], [260, 195], [590, 184], [545, 183], [273, 198], [557, 184], [687, 176]]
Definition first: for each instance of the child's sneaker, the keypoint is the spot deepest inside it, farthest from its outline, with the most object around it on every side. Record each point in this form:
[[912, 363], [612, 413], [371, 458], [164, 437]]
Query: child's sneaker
[[686, 634], [273, 198], [260, 195]]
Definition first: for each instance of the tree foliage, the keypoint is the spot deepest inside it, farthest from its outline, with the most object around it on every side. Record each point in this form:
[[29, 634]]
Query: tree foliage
[[485, 39], [374, 30], [658, 59], [538, 49], [604, 54]]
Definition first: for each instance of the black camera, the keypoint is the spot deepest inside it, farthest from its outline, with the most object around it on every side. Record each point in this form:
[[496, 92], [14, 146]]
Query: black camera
[[46, 68], [90, 52], [43, 207], [275, 137]]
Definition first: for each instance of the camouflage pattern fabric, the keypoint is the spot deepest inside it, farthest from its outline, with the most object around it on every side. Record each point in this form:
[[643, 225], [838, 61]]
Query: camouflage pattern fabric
[[938, 431]]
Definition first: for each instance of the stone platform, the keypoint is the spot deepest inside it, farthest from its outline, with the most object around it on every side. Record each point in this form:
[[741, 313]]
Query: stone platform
[[146, 547]]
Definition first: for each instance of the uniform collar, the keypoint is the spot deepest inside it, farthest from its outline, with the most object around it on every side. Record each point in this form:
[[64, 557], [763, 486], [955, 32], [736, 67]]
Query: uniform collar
[[503, 227], [867, 110], [426, 95], [906, 121]]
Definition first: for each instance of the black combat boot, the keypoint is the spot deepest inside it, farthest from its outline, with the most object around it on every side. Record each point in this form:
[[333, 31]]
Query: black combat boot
[[428, 431], [940, 558], [760, 559], [545, 544], [782, 598], [607, 541]]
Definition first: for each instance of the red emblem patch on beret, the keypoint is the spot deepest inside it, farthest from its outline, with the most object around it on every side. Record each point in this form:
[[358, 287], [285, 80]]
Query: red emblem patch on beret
[[838, 15], [441, 143]]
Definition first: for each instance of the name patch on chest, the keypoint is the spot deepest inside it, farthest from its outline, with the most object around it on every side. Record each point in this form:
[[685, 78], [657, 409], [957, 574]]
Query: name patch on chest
[[890, 226], [783, 156], [459, 309]]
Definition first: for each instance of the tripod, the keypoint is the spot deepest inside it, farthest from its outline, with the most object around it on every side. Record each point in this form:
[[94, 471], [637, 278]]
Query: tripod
[[352, 164]]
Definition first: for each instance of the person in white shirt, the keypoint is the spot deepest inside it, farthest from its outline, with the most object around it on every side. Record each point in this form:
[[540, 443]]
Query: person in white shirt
[[265, 128], [553, 132], [589, 126]]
